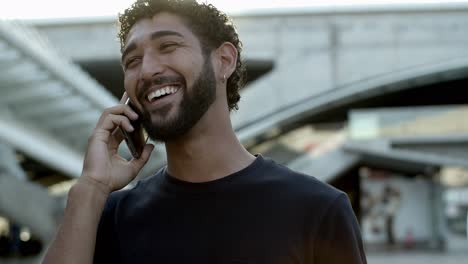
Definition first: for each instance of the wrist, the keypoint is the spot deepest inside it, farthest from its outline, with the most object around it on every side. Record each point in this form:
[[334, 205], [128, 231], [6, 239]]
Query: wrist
[[90, 184], [86, 195]]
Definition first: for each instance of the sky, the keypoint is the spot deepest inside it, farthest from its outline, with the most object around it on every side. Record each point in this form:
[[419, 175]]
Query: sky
[[39, 9]]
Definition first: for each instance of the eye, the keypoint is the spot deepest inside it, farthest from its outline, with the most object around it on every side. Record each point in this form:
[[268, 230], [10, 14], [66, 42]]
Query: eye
[[131, 62], [168, 46]]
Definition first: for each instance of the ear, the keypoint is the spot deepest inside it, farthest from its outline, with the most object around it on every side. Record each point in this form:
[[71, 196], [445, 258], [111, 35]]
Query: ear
[[227, 60]]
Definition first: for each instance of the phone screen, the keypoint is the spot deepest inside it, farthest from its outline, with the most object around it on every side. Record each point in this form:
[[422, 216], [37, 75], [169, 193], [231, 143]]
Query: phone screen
[[135, 140]]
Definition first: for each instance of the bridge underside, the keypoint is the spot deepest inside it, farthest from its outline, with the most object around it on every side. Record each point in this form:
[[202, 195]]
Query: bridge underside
[[443, 93]]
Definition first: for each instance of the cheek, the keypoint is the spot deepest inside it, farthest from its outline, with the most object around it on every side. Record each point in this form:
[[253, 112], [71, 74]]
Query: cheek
[[130, 84], [188, 65]]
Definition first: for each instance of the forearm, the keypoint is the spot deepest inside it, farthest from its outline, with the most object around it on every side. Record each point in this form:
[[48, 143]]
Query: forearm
[[76, 237]]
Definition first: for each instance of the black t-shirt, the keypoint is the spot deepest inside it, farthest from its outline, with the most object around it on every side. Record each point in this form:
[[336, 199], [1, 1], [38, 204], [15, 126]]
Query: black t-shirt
[[263, 214]]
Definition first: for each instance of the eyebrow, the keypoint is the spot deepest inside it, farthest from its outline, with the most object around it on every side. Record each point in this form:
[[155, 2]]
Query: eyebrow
[[128, 49], [155, 35]]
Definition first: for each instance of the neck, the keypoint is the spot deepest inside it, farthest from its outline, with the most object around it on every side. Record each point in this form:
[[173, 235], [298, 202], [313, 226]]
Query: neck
[[209, 151]]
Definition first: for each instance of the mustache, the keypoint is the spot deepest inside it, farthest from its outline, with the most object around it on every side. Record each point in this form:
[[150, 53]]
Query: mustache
[[157, 80]]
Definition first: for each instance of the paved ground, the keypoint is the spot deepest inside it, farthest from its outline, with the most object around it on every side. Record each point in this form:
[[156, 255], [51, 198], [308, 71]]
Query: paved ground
[[417, 258]]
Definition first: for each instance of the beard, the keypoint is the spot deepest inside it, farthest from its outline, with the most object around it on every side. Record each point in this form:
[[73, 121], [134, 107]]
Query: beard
[[194, 104]]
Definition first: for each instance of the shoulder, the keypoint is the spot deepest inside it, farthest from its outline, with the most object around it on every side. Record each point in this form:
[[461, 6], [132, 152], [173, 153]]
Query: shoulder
[[321, 203], [307, 187]]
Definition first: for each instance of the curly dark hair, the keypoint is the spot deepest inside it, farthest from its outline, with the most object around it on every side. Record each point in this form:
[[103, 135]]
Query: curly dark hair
[[210, 25]]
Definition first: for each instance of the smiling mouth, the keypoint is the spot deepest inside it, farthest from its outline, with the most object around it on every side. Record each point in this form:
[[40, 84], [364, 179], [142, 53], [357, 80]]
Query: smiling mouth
[[162, 92]]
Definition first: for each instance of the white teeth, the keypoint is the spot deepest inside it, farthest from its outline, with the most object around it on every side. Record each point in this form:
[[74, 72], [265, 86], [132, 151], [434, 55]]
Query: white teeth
[[162, 91], [151, 96]]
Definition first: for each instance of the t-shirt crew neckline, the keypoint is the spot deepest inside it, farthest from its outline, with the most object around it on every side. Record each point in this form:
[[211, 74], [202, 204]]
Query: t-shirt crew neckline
[[170, 183]]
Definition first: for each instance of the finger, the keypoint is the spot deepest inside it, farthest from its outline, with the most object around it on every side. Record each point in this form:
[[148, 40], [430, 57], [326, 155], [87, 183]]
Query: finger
[[111, 122], [116, 138], [118, 110], [118, 135], [144, 157]]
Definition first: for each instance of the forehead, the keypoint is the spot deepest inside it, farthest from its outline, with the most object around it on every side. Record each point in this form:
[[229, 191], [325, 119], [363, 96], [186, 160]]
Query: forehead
[[164, 21]]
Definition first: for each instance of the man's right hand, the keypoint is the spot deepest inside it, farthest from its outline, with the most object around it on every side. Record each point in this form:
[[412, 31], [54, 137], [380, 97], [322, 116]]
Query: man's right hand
[[103, 165], [104, 171]]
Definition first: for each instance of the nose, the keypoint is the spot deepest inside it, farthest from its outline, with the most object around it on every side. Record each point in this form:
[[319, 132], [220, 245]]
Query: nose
[[151, 66]]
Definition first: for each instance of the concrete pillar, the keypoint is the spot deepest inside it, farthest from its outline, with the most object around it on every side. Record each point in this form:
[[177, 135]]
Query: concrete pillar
[[438, 240]]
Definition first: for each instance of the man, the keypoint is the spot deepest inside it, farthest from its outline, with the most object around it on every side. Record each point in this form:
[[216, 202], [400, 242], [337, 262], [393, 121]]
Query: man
[[214, 202]]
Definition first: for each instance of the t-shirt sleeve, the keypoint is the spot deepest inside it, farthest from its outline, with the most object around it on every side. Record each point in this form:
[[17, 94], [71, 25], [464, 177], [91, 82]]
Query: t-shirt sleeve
[[338, 238], [105, 250]]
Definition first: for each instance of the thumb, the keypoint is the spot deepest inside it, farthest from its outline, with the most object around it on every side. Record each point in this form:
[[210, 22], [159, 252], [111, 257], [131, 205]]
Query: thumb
[[144, 157]]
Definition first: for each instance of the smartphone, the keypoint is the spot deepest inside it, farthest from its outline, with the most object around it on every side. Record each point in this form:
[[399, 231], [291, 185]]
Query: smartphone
[[136, 139]]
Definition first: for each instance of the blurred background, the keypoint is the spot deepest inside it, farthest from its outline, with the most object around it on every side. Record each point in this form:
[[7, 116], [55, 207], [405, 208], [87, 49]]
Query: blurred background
[[369, 96]]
